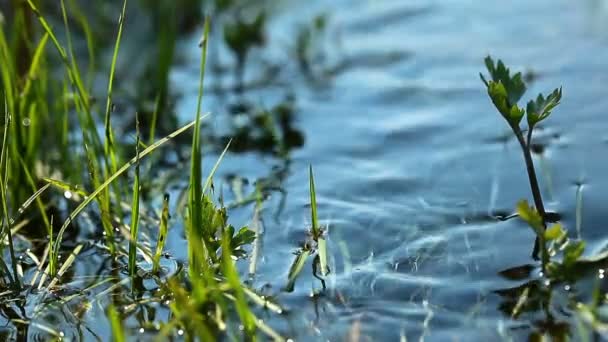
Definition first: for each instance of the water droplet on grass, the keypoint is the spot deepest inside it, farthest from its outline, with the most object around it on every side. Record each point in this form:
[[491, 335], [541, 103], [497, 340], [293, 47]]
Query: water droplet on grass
[[26, 121], [142, 330], [180, 332], [67, 194]]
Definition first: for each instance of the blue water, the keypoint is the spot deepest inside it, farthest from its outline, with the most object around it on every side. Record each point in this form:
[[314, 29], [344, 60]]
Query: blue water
[[411, 161]]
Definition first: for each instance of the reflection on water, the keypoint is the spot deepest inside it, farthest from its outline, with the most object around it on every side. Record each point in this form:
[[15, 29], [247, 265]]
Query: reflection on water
[[414, 177]]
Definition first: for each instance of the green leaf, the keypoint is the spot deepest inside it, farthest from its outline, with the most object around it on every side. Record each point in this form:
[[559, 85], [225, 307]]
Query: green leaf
[[541, 108], [531, 216], [573, 252], [244, 236], [555, 232], [295, 269], [499, 96], [514, 85]]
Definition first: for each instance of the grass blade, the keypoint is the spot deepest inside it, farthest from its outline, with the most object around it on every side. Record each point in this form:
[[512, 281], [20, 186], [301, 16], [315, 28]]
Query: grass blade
[[162, 234], [195, 194], [116, 324], [229, 270], [296, 269], [109, 142], [135, 206], [4, 165], [316, 232]]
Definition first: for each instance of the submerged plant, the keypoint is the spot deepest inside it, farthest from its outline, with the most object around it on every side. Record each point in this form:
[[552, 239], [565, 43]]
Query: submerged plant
[[505, 91]]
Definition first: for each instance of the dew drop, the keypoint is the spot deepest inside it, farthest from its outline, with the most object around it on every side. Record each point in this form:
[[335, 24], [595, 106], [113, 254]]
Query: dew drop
[[61, 334], [26, 121], [67, 194], [180, 332], [601, 275], [541, 274], [141, 330], [567, 287], [547, 282]]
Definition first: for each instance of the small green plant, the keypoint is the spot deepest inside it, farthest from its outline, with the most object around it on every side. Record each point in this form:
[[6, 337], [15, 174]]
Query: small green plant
[[505, 91], [552, 241], [315, 244]]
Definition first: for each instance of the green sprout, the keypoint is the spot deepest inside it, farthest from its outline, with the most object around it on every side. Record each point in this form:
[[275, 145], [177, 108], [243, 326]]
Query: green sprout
[[316, 245], [505, 90]]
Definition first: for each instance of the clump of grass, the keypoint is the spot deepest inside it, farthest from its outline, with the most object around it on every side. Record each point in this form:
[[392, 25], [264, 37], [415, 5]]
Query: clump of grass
[[505, 91]]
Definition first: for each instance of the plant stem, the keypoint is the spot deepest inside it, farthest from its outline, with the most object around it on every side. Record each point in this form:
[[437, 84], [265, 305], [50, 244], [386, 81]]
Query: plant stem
[[538, 200]]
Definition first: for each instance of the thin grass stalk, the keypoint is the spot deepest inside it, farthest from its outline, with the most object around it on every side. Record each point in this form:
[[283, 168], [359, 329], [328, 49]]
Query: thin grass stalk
[[116, 324], [109, 142], [232, 277], [4, 158], [135, 206], [162, 234]]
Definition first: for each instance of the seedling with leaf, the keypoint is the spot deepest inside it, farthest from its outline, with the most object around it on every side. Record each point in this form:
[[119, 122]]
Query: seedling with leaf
[[505, 90], [315, 244]]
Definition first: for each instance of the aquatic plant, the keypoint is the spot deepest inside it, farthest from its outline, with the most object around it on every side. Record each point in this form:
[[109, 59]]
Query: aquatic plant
[[315, 245], [505, 90]]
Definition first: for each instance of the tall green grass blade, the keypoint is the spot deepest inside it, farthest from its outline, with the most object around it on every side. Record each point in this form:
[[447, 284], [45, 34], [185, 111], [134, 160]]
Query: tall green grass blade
[[116, 324], [108, 181], [162, 234], [196, 242], [229, 270], [4, 166], [296, 269], [316, 231], [152, 133], [135, 206], [88, 34], [109, 142]]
